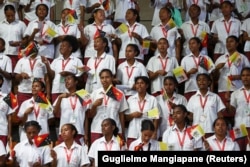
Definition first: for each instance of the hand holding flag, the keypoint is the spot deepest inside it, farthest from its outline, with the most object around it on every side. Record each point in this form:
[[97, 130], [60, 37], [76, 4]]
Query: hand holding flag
[[195, 131], [84, 97], [238, 132], [11, 100], [43, 102], [114, 93]]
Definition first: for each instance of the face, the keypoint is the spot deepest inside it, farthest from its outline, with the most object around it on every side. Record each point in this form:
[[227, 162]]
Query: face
[[107, 128], [220, 127], [31, 132], [100, 15], [130, 53], [245, 77], [203, 82], [42, 11], [10, 16], [194, 46], [193, 12], [70, 82], [99, 44], [169, 86], [179, 115], [146, 135], [231, 44], [130, 15], [141, 86], [36, 87], [67, 132], [64, 14], [162, 46], [163, 14], [65, 48], [106, 79], [226, 9]]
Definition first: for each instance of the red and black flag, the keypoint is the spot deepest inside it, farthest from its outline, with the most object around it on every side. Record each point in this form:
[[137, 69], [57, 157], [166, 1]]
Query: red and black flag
[[114, 93], [73, 13], [11, 100], [42, 140]]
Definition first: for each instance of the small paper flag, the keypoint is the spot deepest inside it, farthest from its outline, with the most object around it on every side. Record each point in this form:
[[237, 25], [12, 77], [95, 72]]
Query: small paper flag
[[69, 20], [153, 113], [84, 97], [73, 13], [106, 5], [43, 102], [164, 94], [234, 57], [180, 74], [171, 24], [42, 140], [11, 100], [121, 29], [49, 35], [83, 69], [163, 146], [204, 37], [205, 63], [145, 46], [114, 93], [121, 142], [99, 33], [238, 132], [195, 131]]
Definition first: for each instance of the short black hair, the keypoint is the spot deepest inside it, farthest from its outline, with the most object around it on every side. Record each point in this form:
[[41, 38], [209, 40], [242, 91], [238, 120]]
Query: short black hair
[[135, 47], [113, 123], [73, 42], [147, 124], [32, 123], [73, 128], [106, 70], [144, 78], [42, 4], [9, 7]]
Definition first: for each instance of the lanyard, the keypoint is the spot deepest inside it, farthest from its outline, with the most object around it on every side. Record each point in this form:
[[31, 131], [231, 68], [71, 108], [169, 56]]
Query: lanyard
[[65, 29], [163, 64], [130, 32], [32, 64], [246, 97], [71, 2], [223, 145], [105, 100], [195, 2], [68, 154], [141, 107], [181, 141], [129, 73], [196, 62], [36, 110], [201, 102], [170, 119], [108, 146], [229, 62], [64, 64], [73, 105], [164, 31], [194, 30], [227, 27], [42, 34], [97, 62]]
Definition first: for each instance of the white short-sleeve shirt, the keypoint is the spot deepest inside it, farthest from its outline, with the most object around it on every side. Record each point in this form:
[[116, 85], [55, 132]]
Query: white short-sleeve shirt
[[127, 74], [25, 65], [2, 149], [205, 116], [152, 145], [242, 114], [105, 61], [6, 65], [245, 27], [230, 145], [110, 108], [78, 157], [75, 5], [121, 7], [150, 102], [156, 63]]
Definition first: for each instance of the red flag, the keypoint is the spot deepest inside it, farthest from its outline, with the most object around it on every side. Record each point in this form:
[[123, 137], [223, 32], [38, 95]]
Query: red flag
[[11, 100], [41, 98], [205, 41], [114, 93], [42, 140]]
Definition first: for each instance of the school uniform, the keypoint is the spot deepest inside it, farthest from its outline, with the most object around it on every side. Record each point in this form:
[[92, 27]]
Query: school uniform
[[6, 65], [2, 149], [246, 28], [227, 144], [152, 145], [202, 5], [121, 7]]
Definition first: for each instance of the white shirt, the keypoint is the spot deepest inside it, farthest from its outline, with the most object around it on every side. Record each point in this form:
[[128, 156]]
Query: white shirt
[[174, 137], [242, 114], [105, 61], [166, 109], [5, 111], [102, 145], [230, 69], [202, 4], [71, 29], [127, 74], [171, 35], [11, 32], [121, 8], [25, 65], [72, 112], [152, 145], [31, 15], [6, 65], [58, 65], [110, 108], [216, 145], [246, 29], [156, 63], [75, 5], [150, 102], [78, 157], [2, 149], [27, 154], [190, 30], [219, 28], [38, 114], [46, 50], [205, 116], [6, 2], [90, 31], [138, 28], [189, 62]]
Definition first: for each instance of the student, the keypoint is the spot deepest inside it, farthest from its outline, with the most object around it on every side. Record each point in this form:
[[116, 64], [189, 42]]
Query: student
[[239, 102], [220, 141], [109, 141], [104, 107], [130, 69], [145, 141], [202, 4], [74, 153], [139, 105], [167, 100], [193, 66], [97, 62], [205, 106], [3, 154], [27, 153], [160, 66], [246, 37], [223, 27], [71, 110], [176, 136]]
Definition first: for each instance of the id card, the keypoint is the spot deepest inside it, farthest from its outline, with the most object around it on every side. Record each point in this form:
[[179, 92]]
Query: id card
[[73, 119], [203, 118], [62, 79]]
